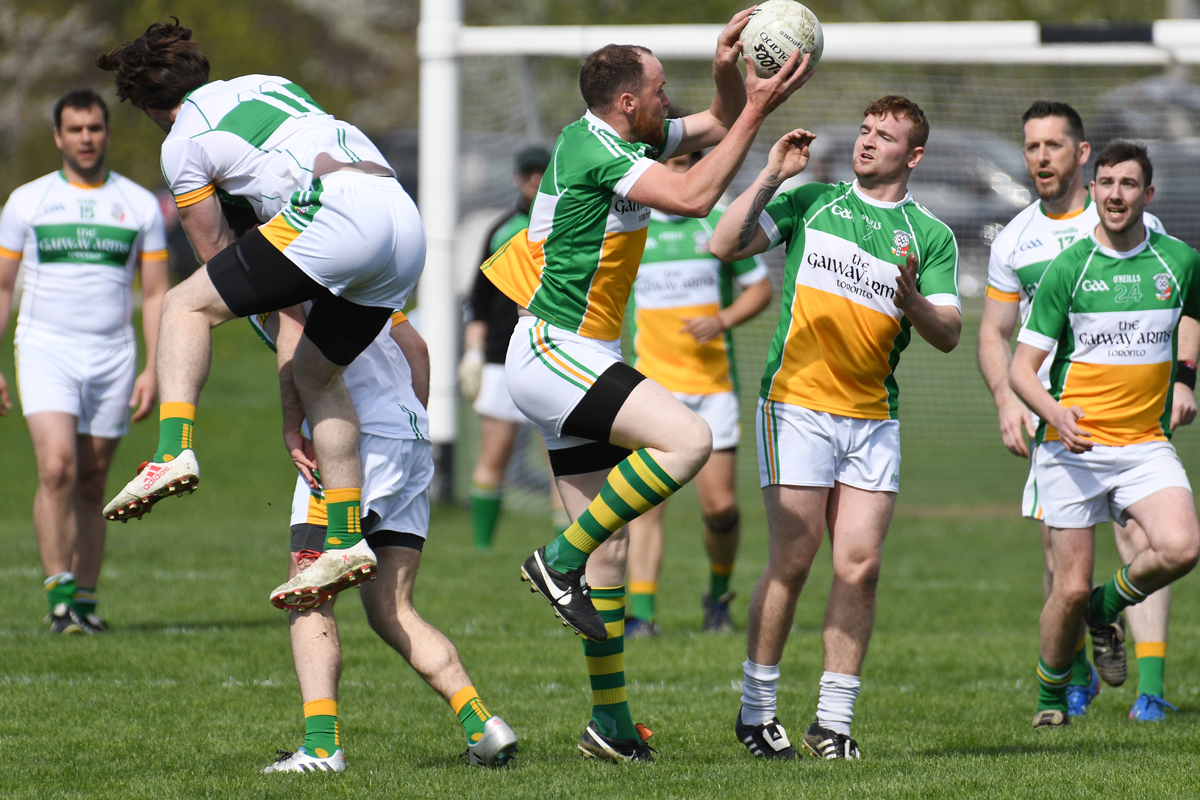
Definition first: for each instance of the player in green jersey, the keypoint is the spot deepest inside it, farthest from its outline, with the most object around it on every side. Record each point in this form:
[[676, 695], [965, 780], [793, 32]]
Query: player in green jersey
[[867, 265], [619, 443], [1108, 307], [1055, 153]]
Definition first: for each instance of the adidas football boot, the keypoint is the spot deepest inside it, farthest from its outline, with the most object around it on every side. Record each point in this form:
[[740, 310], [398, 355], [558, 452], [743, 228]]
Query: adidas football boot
[[154, 481]]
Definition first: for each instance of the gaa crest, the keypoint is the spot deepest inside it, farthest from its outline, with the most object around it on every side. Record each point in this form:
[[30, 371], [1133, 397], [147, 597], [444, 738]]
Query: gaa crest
[[900, 243], [700, 240], [1162, 286]]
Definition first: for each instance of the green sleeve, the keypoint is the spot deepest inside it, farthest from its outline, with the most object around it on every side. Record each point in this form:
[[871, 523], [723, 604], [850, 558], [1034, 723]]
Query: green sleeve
[[788, 209], [1190, 285], [1049, 314], [937, 273]]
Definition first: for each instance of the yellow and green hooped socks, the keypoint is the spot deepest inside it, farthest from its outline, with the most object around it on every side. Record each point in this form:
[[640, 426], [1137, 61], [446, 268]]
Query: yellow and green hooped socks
[[606, 667], [60, 588], [321, 737], [176, 426], [84, 601], [344, 518], [718, 579], [1052, 687], [1116, 595], [1151, 661], [471, 713], [485, 513], [642, 595], [635, 486], [1081, 670]]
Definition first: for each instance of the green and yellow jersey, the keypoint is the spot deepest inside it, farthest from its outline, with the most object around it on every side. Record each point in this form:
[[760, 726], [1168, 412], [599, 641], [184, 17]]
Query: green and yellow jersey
[[1110, 319], [575, 265], [840, 334], [680, 279]]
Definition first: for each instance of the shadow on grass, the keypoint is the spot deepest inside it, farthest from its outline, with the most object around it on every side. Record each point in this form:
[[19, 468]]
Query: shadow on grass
[[1048, 748], [184, 628]]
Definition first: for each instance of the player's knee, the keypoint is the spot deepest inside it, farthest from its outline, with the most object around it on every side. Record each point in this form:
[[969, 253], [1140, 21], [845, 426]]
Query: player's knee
[[791, 572], [694, 440], [90, 485], [723, 517], [1182, 557], [1073, 591], [56, 472], [859, 569]]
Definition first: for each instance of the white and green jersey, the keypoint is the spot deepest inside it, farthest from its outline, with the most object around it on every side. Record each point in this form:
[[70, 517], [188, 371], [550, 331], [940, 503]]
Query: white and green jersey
[[379, 382], [679, 278], [575, 265], [80, 247], [254, 139], [1022, 251], [1110, 319], [840, 334]]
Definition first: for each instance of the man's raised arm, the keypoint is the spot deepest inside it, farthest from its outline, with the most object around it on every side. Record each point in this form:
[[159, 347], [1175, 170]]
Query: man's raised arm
[[205, 227], [709, 127]]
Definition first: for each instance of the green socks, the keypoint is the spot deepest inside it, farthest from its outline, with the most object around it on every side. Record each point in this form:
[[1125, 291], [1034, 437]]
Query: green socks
[[60, 588], [606, 667], [321, 736], [718, 580], [1115, 596], [471, 713], [485, 512], [1151, 660], [635, 486], [1052, 687], [84, 601], [1081, 670], [642, 595], [176, 424], [345, 518]]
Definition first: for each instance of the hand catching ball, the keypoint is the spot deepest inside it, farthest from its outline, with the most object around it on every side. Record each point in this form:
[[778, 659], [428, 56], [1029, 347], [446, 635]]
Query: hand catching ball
[[775, 29]]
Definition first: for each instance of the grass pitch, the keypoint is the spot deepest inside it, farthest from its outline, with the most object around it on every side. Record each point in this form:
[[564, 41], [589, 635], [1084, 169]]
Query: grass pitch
[[194, 690]]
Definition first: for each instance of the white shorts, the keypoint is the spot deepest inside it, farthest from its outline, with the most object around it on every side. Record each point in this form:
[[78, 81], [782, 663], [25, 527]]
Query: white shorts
[[395, 485], [720, 411], [549, 370], [494, 400], [1078, 490], [360, 237], [801, 447], [91, 382]]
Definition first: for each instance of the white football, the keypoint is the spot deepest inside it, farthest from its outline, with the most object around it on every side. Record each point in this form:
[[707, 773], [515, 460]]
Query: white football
[[775, 29]]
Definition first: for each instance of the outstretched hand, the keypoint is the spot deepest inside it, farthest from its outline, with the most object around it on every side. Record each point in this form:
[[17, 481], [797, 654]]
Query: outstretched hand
[[789, 156], [767, 94], [729, 42], [906, 282]]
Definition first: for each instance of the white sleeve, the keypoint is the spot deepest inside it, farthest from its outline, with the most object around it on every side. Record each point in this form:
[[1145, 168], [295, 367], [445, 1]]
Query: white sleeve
[[154, 233], [13, 229], [1001, 276], [625, 185], [755, 275], [188, 170]]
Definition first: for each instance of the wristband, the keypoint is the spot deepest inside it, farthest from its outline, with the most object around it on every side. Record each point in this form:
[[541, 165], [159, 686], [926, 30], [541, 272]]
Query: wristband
[[1185, 373]]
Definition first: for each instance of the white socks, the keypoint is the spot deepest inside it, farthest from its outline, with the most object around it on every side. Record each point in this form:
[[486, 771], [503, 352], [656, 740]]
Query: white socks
[[835, 708], [758, 693]]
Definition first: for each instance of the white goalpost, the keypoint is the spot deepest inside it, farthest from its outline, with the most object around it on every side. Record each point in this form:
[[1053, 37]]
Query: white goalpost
[[486, 91]]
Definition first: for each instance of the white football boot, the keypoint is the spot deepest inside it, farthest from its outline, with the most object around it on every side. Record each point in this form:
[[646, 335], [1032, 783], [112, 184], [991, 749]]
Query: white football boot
[[301, 761], [497, 746], [154, 481], [334, 571]]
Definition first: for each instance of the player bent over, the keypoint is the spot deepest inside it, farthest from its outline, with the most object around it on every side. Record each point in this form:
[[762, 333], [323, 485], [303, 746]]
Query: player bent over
[[1055, 152], [619, 444], [1108, 307], [866, 266], [683, 318], [338, 230], [84, 233], [389, 384]]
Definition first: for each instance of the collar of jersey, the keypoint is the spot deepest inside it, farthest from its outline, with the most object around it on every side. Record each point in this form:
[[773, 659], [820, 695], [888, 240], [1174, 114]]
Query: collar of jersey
[[602, 125], [1087, 201], [1108, 251], [70, 182], [879, 203]]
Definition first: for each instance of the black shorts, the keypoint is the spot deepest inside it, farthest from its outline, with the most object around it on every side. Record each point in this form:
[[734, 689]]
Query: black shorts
[[307, 536], [592, 418], [254, 277]]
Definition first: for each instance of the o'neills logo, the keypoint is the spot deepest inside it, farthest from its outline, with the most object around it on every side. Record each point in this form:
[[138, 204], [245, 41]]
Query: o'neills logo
[[854, 277]]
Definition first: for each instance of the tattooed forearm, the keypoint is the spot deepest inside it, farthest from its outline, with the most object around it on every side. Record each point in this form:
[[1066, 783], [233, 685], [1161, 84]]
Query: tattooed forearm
[[750, 224]]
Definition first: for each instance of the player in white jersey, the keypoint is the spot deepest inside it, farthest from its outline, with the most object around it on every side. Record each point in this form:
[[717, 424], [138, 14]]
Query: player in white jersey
[[1055, 152], [389, 386], [338, 230], [83, 235]]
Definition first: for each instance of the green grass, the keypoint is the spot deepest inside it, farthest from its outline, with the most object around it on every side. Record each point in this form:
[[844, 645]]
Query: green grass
[[194, 690]]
